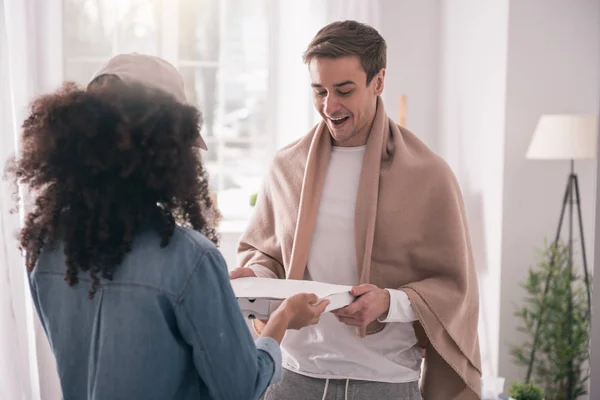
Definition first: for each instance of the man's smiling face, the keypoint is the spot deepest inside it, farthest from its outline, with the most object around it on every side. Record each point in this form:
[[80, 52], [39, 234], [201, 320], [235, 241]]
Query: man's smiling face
[[344, 99]]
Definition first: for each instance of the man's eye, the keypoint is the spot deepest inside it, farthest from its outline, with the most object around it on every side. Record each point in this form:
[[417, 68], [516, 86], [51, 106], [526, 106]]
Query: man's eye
[[321, 93], [345, 93]]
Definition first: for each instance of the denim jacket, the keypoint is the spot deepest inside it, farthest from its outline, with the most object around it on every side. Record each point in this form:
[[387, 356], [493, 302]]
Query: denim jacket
[[166, 327]]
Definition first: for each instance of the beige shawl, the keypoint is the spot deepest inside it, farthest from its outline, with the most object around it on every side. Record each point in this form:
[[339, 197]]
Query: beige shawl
[[410, 234]]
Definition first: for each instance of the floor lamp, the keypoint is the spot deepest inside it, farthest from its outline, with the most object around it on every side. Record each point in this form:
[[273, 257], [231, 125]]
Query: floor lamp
[[565, 137]]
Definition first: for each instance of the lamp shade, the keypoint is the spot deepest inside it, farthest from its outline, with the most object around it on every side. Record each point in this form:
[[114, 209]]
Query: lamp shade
[[564, 137]]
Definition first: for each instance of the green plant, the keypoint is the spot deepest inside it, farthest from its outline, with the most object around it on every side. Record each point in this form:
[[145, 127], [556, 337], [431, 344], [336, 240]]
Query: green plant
[[525, 391], [559, 363], [253, 199]]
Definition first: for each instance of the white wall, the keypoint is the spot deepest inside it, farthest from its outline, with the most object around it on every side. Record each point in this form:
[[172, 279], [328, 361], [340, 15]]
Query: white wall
[[471, 139], [412, 32], [553, 66], [499, 71]]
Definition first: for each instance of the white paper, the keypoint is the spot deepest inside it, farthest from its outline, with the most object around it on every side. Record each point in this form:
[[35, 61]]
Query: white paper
[[266, 288]]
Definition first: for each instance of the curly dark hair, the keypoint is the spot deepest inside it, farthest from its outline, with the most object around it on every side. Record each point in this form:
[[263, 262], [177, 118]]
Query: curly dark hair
[[100, 162]]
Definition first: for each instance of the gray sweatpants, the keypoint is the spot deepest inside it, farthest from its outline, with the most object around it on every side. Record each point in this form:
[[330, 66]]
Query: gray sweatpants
[[299, 387]]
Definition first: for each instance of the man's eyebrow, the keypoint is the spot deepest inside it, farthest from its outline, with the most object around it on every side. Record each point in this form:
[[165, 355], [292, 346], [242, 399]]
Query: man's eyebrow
[[344, 83], [337, 85]]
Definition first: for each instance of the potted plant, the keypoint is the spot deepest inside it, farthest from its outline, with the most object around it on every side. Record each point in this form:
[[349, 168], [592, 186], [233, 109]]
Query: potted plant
[[525, 391], [555, 319]]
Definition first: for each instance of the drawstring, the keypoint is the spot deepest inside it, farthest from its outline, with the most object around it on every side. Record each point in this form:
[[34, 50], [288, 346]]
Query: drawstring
[[346, 392], [326, 386]]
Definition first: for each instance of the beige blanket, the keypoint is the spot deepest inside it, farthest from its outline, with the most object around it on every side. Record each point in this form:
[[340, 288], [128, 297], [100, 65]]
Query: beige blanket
[[410, 234]]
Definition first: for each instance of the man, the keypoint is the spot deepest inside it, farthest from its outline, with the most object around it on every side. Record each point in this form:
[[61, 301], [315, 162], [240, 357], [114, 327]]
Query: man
[[361, 201], [121, 212]]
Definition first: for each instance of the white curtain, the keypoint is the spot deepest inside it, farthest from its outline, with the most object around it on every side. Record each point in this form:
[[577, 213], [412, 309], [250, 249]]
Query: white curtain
[[18, 370], [17, 374], [23, 347]]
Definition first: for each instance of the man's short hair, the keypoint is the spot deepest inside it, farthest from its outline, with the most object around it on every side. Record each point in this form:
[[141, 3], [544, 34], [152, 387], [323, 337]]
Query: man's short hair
[[350, 38]]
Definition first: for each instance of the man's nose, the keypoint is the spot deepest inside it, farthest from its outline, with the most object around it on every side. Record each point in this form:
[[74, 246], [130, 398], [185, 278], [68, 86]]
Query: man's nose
[[331, 106]]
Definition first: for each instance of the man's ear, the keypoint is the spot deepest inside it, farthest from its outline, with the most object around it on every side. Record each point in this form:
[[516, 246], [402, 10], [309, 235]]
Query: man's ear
[[378, 82]]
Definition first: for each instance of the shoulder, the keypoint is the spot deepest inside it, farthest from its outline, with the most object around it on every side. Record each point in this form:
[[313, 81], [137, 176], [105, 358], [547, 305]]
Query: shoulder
[[425, 167], [291, 159], [189, 253], [208, 267], [189, 237], [424, 159], [203, 252], [296, 150]]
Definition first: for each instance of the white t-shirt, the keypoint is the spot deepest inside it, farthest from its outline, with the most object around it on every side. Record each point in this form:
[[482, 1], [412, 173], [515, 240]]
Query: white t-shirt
[[331, 349]]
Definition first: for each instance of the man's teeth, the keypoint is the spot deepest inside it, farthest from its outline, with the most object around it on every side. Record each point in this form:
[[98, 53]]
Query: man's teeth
[[337, 119]]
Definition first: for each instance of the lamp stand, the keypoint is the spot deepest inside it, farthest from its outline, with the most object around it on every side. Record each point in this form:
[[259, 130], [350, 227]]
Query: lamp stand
[[571, 197]]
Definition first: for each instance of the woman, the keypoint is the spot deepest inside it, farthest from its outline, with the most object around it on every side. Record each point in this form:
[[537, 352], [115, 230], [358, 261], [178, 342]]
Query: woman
[[122, 213]]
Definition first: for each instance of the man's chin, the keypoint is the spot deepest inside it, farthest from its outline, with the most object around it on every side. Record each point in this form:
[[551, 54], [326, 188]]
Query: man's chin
[[343, 137], [339, 135]]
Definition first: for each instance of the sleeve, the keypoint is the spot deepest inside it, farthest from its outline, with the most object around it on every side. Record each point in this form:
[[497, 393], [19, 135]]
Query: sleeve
[[263, 272], [228, 361], [400, 308]]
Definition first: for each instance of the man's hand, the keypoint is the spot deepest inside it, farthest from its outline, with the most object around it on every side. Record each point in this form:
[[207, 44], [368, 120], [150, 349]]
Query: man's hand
[[371, 303], [242, 272]]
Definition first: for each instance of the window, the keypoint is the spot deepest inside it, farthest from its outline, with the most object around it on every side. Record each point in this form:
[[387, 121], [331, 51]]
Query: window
[[222, 50]]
